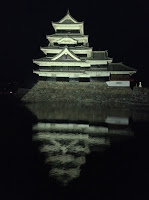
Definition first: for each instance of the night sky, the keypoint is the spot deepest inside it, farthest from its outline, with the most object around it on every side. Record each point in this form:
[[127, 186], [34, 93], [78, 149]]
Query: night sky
[[121, 27]]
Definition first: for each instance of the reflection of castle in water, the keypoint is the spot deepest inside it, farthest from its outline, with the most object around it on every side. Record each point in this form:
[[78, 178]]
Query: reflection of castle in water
[[65, 152], [66, 143]]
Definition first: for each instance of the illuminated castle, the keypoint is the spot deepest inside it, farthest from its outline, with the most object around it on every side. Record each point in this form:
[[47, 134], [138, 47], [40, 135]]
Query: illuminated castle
[[69, 57]]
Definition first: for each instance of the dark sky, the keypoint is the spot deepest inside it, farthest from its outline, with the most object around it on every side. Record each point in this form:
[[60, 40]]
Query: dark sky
[[121, 27]]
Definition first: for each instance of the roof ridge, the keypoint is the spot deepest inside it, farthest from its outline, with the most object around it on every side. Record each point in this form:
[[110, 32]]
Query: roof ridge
[[101, 51], [67, 16]]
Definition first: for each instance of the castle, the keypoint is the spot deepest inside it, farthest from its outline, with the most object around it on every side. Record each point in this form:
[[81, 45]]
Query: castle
[[70, 58]]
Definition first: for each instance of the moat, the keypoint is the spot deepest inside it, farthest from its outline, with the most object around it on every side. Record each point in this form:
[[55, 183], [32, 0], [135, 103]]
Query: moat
[[74, 151]]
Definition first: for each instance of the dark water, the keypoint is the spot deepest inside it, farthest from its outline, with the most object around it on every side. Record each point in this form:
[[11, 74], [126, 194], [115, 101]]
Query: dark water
[[67, 151]]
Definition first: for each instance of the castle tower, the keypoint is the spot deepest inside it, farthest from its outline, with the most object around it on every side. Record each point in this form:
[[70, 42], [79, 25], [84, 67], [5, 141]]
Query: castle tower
[[69, 57]]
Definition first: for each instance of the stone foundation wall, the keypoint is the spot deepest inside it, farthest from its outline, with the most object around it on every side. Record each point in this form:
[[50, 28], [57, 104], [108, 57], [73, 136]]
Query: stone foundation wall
[[92, 92]]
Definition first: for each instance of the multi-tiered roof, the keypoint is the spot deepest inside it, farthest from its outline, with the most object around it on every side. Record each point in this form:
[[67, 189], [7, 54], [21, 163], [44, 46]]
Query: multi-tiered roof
[[68, 54]]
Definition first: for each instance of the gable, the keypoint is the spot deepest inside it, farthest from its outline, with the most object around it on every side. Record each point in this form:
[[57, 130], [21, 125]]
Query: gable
[[66, 54], [66, 57], [67, 40], [68, 19]]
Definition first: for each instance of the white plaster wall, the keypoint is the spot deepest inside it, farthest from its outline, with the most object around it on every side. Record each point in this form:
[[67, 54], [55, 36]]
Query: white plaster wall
[[98, 73], [118, 83], [71, 74]]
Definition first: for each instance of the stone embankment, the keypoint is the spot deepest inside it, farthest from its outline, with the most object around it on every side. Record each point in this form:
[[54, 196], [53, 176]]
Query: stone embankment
[[92, 92]]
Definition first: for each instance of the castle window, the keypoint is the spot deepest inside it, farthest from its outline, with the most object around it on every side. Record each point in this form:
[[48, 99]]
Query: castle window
[[68, 31]]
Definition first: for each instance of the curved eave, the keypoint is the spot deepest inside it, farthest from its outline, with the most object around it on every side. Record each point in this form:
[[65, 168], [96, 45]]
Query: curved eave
[[67, 40], [71, 48], [75, 26], [123, 72], [56, 37], [46, 50], [78, 23], [49, 63]]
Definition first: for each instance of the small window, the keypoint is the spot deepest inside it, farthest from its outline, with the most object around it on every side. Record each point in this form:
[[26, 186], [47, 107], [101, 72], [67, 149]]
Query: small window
[[68, 31]]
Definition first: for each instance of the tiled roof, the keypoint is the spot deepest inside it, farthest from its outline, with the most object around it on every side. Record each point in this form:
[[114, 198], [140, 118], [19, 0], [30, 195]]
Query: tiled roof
[[102, 55], [67, 21], [47, 59], [71, 48], [119, 67]]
